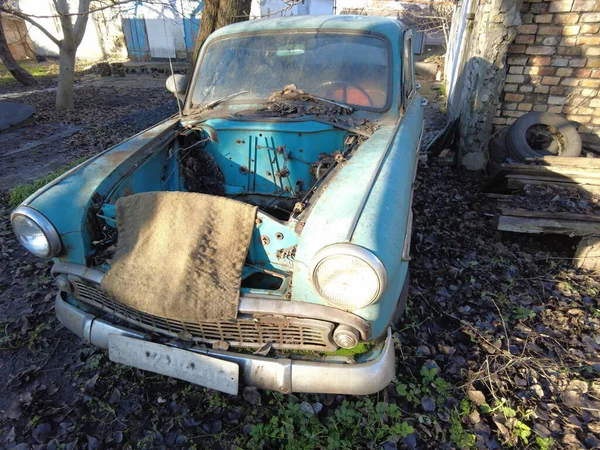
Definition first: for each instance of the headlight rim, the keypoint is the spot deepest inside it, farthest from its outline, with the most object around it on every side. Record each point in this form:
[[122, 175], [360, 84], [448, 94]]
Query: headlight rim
[[349, 249], [45, 225]]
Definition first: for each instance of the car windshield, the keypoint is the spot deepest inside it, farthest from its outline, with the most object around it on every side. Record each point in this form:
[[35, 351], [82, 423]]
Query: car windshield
[[347, 68]]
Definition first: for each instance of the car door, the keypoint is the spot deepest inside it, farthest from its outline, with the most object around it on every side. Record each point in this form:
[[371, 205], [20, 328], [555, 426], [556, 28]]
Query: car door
[[413, 117]]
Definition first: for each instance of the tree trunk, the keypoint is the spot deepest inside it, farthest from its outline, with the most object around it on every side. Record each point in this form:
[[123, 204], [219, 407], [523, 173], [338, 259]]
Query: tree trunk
[[217, 14], [20, 74], [66, 77]]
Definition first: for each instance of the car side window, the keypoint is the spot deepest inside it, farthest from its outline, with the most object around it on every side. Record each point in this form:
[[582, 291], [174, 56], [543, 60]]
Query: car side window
[[409, 82]]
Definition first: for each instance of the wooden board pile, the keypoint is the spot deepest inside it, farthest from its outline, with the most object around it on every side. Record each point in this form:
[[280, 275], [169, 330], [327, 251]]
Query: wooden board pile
[[554, 195]]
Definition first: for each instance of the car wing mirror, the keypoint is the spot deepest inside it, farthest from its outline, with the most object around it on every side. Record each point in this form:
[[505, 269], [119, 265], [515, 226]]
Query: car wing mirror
[[176, 83]]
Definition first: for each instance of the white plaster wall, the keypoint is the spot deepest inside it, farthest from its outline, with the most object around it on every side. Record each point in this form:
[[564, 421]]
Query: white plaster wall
[[354, 4], [273, 8], [455, 56], [315, 7], [90, 47], [255, 9], [384, 8]]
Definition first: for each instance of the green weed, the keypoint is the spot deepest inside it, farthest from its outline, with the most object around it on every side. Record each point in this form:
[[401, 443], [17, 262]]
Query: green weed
[[430, 384], [522, 313], [352, 425], [20, 192], [544, 443], [35, 335], [458, 435], [519, 431]]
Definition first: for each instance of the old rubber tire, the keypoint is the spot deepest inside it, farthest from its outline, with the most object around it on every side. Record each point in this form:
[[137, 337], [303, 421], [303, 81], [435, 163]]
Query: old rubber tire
[[566, 142]]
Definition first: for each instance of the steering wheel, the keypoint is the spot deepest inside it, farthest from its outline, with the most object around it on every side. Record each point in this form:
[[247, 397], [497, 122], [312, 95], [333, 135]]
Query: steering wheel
[[346, 86]]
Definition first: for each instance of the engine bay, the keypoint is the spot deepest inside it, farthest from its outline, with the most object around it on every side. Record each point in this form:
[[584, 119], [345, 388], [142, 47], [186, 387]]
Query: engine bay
[[278, 166]]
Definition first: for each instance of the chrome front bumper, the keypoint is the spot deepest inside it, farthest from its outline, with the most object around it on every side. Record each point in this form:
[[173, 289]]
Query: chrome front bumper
[[278, 374]]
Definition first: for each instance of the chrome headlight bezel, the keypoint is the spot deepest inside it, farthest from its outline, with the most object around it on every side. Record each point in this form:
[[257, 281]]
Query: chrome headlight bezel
[[347, 249], [45, 226]]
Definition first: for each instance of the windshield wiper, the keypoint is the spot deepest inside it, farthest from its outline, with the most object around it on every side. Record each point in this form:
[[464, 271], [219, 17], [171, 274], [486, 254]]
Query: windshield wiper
[[331, 102], [218, 101], [291, 92]]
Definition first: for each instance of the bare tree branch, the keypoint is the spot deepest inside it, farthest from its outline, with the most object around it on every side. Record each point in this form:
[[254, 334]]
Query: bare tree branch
[[81, 22], [434, 17], [62, 8], [290, 4], [94, 9]]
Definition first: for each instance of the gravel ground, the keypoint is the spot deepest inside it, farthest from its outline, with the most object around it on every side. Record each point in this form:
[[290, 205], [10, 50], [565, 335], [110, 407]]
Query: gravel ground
[[498, 347]]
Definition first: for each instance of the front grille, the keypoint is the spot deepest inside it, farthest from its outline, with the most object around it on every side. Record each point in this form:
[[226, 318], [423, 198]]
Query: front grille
[[286, 333]]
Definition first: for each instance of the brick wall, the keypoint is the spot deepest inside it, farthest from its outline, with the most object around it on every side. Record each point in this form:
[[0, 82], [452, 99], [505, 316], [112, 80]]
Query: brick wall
[[554, 65]]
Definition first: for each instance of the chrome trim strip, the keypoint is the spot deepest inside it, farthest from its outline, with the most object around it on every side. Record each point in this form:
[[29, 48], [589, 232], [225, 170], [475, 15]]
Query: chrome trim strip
[[260, 305], [345, 248], [86, 326], [249, 303], [79, 270], [283, 375], [46, 226], [409, 220], [356, 379]]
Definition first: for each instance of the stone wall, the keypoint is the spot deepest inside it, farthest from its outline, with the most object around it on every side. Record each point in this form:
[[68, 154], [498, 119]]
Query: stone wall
[[554, 65], [482, 32]]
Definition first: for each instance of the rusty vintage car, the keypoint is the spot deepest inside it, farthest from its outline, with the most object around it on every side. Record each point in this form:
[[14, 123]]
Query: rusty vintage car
[[308, 128]]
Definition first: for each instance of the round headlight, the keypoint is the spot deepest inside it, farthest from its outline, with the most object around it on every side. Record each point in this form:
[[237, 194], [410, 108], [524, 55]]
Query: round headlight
[[35, 232], [348, 276]]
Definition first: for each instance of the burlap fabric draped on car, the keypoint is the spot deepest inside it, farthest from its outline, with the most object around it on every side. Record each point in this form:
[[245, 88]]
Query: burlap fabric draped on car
[[180, 255]]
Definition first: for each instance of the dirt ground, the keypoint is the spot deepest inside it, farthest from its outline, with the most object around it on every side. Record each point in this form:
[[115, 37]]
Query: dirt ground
[[498, 347], [107, 110]]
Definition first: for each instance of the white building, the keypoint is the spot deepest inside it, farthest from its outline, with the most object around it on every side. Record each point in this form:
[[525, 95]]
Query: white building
[[103, 37], [144, 32]]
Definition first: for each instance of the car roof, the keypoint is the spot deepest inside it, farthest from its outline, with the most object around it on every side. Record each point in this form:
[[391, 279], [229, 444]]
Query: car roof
[[384, 25]]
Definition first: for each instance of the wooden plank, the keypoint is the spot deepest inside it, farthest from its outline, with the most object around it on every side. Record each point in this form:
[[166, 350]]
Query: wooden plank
[[517, 182], [550, 215], [546, 226], [550, 178], [566, 174], [499, 196], [567, 161], [532, 169]]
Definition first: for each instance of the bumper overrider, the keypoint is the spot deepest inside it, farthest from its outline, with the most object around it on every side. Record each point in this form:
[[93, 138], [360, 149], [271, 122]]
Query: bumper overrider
[[221, 370]]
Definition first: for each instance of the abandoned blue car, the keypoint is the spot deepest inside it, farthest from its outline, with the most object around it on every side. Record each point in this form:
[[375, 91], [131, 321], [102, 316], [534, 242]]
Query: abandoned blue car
[[262, 235]]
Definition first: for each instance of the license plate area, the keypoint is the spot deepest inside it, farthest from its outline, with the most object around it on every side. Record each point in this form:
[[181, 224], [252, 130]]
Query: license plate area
[[184, 365]]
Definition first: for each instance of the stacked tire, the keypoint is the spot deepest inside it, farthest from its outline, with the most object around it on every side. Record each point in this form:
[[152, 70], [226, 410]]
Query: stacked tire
[[566, 140]]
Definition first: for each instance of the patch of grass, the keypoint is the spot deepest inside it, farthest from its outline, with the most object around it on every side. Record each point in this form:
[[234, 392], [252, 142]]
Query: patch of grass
[[458, 435], [20, 192], [362, 424], [38, 70], [35, 335], [522, 313], [362, 347], [430, 385], [544, 443]]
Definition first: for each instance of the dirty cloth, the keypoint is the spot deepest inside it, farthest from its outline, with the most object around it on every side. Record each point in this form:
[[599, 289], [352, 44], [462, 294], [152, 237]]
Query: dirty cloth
[[180, 255]]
